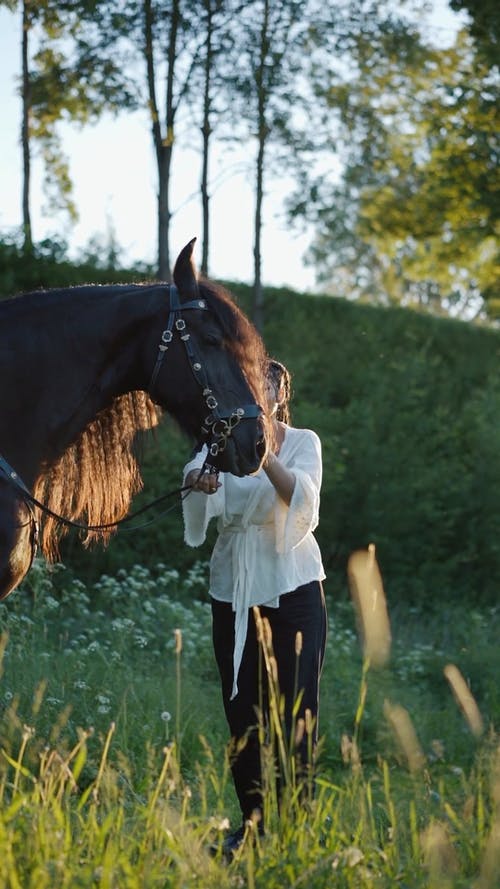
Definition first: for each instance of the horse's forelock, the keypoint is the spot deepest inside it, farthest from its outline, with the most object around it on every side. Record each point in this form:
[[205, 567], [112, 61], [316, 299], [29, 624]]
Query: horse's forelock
[[241, 336]]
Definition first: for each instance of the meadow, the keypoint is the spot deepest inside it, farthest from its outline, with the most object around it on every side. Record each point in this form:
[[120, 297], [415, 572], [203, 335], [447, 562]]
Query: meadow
[[113, 770]]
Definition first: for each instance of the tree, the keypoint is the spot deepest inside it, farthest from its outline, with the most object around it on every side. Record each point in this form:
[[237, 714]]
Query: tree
[[414, 217], [272, 35], [163, 138], [212, 77], [484, 27], [206, 129], [434, 211], [59, 81], [25, 136], [162, 40]]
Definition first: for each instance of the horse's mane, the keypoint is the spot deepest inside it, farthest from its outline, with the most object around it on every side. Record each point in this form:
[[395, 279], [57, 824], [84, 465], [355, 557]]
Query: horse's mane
[[94, 480]]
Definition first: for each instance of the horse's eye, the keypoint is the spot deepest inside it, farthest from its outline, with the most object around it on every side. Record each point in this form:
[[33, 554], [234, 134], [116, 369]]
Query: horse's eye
[[214, 339]]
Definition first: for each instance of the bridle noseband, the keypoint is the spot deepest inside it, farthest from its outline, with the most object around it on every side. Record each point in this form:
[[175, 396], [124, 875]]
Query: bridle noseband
[[216, 429]]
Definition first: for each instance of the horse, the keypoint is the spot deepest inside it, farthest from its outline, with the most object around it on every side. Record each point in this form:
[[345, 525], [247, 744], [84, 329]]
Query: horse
[[86, 371]]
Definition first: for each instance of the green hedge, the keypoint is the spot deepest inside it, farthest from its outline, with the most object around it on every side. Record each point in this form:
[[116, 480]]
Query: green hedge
[[46, 265], [408, 410]]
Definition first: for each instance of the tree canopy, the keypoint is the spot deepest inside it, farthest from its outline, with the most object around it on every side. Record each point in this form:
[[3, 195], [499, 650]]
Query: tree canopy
[[393, 141], [414, 218]]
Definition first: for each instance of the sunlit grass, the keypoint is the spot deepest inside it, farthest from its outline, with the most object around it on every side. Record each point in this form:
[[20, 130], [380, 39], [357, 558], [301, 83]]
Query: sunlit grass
[[112, 766]]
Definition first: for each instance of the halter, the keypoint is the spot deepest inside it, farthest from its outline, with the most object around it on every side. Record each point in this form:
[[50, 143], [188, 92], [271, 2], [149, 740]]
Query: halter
[[216, 429]]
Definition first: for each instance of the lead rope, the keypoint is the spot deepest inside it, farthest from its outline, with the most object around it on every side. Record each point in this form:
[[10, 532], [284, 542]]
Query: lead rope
[[14, 480]]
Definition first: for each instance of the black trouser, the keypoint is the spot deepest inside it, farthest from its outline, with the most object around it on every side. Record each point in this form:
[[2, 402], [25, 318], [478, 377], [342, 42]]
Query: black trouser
[[302, 610]]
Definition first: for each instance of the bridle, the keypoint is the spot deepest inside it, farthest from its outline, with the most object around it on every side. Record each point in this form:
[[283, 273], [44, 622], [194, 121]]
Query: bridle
[[216, 429]]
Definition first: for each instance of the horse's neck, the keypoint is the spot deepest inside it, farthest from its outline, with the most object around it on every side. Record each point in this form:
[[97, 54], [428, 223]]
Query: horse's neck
[[86, 352], [109, 361]]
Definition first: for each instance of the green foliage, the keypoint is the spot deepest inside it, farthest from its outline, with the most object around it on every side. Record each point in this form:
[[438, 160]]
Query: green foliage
[[408, 410], [48, 265], [484, 26], [107, 776], [109, 648], [414, 216]]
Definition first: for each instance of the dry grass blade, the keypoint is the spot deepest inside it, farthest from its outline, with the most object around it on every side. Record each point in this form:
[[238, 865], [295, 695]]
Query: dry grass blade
[[367, 591], [465, 699]]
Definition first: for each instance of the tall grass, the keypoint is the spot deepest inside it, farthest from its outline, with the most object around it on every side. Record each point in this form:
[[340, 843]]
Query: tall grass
[[112, 765]]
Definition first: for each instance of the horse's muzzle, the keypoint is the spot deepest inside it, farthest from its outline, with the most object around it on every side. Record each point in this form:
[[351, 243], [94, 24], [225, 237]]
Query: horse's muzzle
[[244, 449]]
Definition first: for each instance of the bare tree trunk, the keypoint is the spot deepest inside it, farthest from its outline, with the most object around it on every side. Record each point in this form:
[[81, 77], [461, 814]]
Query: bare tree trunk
[[206, 132], [164, 213], [163, 144], [258, 293], [25, 135]]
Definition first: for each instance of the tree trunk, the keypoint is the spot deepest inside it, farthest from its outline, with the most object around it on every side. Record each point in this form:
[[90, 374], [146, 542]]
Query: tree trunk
[[163, 145], [258, 293], [25, 134], [206, 132], [164, 213], [261, 91]]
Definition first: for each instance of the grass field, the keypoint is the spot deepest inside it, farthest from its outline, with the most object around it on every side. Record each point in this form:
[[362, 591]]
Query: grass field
[[112, 738]]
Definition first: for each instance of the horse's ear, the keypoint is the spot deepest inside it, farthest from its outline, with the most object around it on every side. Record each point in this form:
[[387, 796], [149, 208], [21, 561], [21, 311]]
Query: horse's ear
[[185, 272]]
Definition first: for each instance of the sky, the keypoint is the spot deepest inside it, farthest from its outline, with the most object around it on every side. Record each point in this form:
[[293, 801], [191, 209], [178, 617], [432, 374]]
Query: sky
[[114, 178]]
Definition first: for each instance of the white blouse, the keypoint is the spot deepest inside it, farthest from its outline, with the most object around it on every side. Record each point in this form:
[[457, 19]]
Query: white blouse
[[265, 548]]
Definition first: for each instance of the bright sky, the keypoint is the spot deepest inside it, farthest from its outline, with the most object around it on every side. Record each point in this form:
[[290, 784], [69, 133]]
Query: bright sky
[[114, 175]]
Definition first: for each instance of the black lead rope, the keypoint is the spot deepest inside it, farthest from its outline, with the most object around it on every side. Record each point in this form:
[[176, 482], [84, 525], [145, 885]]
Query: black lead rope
[[17, 483]]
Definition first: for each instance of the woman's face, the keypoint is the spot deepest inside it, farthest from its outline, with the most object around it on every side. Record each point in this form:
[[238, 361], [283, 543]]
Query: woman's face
[[274, 397]]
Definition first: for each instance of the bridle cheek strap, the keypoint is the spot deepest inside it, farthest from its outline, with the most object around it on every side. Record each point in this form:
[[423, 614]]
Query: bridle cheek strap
[[216, 428]]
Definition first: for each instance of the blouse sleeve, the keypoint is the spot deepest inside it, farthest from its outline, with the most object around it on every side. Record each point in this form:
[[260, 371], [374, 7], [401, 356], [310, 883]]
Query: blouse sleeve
[[301, 516], [198, 508]]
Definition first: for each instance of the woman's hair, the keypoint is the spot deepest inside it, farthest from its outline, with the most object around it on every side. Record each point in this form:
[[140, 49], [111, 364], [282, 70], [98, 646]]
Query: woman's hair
[[280, 378]]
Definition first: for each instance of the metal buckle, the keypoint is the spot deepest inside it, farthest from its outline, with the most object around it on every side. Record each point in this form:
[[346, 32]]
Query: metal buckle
[[180, 324], [221, 428], [167, 336]]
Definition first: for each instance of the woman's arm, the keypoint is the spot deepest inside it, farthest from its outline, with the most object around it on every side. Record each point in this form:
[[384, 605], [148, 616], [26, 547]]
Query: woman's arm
[[282, 478], [299, 517], [197, 509]]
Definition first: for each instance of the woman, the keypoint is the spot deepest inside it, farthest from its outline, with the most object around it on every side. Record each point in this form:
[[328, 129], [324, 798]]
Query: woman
[[265, 555]]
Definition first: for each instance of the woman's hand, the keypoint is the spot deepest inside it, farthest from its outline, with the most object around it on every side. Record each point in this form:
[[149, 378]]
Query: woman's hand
[[206, 481]]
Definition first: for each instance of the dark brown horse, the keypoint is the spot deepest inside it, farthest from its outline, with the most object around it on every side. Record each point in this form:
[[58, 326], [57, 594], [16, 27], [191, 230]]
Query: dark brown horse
[[83, 370]]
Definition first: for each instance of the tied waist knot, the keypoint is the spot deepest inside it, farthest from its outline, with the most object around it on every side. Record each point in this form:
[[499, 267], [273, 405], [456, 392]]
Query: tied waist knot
[[242, 528]]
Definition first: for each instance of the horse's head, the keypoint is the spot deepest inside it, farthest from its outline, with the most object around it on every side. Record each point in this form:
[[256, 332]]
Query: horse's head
[[214, 382]]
